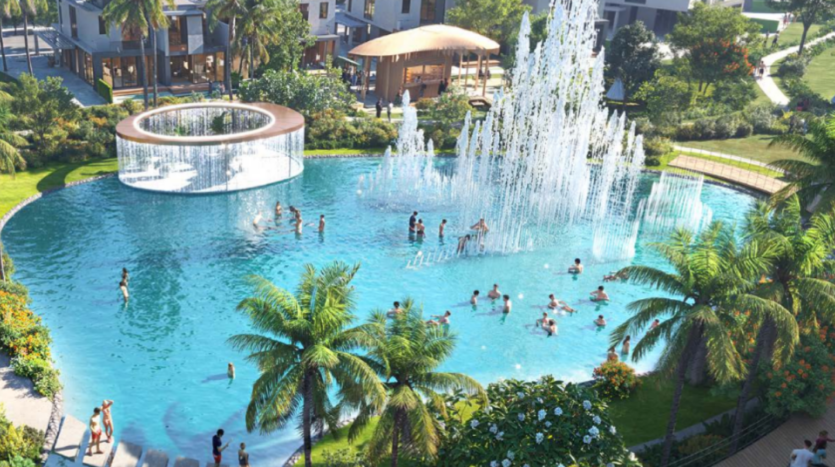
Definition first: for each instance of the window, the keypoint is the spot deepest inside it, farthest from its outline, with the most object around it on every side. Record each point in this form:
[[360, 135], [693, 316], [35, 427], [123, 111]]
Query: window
[[102, 27], [73, 23], [427, 11], [369, 9], [406, 7], [305, 9], [323, 10]]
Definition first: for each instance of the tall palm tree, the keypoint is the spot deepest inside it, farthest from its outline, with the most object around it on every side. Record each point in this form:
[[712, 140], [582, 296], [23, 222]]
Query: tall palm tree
[[712, 279], [304, 347], [29, 8], [8, 9], [157, 20], [227, 10], [800, 257], [408, 353], [9, 142], [133, 15], [812, 179], [260, 27]]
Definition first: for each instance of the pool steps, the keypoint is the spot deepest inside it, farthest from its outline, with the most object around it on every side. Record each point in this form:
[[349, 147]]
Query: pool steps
[[73, 438]]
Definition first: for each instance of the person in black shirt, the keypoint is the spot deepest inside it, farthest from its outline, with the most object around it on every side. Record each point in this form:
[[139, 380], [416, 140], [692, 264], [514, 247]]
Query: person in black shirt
[[413, 221], [379, 108], [218, 447]]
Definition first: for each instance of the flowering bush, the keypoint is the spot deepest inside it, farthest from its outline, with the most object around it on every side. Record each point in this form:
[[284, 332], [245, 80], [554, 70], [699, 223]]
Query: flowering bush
[[27, 341], [804, 384], [615, 380], [528, 423]]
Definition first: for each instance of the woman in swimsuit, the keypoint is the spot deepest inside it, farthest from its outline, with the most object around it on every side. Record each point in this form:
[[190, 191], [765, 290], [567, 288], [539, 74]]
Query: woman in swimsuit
[[107, 419], [123, 286]]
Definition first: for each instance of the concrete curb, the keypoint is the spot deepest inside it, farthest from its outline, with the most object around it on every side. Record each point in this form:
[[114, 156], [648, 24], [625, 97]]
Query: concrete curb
[[54, 425]]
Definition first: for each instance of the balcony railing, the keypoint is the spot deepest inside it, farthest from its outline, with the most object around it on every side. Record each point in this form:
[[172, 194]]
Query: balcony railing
[[121, 46]]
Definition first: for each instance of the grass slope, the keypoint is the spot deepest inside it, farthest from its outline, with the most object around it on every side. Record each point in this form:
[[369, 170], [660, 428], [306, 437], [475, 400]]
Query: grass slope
[[753, 147]]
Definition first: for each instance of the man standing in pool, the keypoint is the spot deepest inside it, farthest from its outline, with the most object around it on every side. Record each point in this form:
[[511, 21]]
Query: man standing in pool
[[599, 295], [462, 243], [576, 268], [495, 293], [218, 447], [441, 228], [507, 304], [412, 222], [322, 223]]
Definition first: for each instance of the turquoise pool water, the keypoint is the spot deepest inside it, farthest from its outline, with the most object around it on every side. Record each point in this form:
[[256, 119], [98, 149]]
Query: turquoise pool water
[[163, 357]]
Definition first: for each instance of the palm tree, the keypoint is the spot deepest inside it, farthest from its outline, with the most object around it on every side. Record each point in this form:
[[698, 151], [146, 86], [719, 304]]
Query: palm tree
[[132, 15], [9, 142], [800, 258], [711, 280], [812, 179], [305, 347], [157, 20], [408, 352], [259, 27], [30, 8], [8, 8], [227, 10]]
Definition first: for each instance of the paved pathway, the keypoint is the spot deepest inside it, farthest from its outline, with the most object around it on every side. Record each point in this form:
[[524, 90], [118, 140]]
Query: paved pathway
[[774, 449], [740, 176], [22, 404], [768, 85]]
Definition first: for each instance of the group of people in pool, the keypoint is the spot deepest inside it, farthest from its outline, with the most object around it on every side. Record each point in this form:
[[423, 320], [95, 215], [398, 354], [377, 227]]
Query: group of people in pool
[[297, 221], [418, 229]]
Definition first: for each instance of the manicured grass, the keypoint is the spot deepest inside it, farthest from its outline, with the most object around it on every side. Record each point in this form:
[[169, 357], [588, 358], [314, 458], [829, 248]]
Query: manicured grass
[[644, 415], [753, 147], [760, 6], [29, 182], [820, 75], [793, 33]]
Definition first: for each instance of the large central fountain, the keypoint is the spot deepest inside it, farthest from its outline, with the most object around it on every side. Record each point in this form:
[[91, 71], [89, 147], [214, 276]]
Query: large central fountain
[[547, 156], [210, 147]]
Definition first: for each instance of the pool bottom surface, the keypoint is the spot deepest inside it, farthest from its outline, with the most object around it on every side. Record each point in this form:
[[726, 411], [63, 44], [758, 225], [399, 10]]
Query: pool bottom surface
[[162, 358]]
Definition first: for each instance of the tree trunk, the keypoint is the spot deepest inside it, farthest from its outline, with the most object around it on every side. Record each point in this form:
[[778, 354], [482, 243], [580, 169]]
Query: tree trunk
[[697, 370], [2, 267], [395, 439], [806, 27], [251, 64], [144, 71], [739, 415], [3, 47], [681, 372], [154, 62], [307, 407], [26, 42], [228, 57], [241, 64]]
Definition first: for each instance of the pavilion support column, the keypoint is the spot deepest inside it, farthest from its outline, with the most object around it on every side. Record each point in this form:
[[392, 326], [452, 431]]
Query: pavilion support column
[[484, 81], [477, 72], [387, 91], [460, 65], [366, 77], [467, 73]]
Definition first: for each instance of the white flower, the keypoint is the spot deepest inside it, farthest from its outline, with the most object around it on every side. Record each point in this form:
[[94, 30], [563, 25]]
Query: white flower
[[587, 405], [558, 411], [613, 430], [511, 455], [596, 420], [494, 429], [494, 464], [594, 431], [547, 424], [539, 438], [587, 439], [541, 414], [521, 417], [499, 436], [506, 463], [474, 423], [489, 409]]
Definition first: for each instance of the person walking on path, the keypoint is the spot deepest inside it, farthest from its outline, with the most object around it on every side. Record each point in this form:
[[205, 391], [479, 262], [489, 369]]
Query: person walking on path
[[379, 108], [802, 457], [776, 39]]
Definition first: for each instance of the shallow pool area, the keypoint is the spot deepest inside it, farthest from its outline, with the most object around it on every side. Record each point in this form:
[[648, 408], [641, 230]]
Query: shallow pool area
[[162, 357]]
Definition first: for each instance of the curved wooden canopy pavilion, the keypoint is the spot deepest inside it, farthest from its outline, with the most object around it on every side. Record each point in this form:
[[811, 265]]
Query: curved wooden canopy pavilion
[[420, 59]]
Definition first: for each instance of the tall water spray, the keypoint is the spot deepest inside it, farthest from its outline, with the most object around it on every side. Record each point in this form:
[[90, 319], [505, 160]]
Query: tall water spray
[[547, 156]]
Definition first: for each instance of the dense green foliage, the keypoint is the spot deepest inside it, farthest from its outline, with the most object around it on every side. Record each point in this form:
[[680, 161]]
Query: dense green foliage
[[496, 19], [445, 113], [105, 90], [331, 129], [306, 93], [808, 12], [632, 58], [287, 55], [19, 446], [615, 380]]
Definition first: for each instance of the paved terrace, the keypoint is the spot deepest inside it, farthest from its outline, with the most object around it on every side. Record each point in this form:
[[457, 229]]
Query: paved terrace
[[747, 178], [22, 404]]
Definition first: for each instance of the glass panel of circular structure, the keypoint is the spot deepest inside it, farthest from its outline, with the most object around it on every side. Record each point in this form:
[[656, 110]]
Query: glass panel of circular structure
[[210, 147]]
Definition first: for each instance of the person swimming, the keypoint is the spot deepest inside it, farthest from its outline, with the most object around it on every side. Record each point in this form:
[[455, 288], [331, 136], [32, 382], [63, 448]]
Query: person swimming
[[278, 209], [395, 311], [495, 293], [257, 220], [123, 286], [599, 295], [125, 275], [625, 348], [508, 305], [230, 370], [420, 228], [322, 223], [612, 355], [474, 298], [543, 320], [442, 320], [576, 268], [441, 228], [480, 226], [555, 303], [618, 275], [550, 327], [600, 321], [462, 243]]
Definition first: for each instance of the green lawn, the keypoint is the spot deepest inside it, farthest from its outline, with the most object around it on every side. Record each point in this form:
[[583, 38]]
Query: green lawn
[[753, 147], [820, 75], [793, 33], [640, 418], [760, 6], [27, 183]]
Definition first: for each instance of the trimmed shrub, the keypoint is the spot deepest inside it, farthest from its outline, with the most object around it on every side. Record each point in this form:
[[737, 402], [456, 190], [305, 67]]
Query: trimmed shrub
[[331, 130], [794, 66], [655, 147], [805, 383], [643, 126], [705, 129], [615, 380], [761, 116], [725, 127], [687, 132], [652, 162], [105, 90], [744, 130]]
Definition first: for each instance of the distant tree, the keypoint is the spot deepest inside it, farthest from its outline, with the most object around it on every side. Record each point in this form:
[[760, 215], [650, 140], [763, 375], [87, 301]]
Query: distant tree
[[30, 9], [714, 40], [286, 54], [258, 28], [309, 94], [225, 10], [8, 9], [496, 19], [9, 142], [539, 32], [632, 58], [664, 94], [808, 11], [132, 15], [40, 106]]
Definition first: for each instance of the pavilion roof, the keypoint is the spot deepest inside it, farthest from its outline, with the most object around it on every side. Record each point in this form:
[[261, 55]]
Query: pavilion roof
[[432, 38]]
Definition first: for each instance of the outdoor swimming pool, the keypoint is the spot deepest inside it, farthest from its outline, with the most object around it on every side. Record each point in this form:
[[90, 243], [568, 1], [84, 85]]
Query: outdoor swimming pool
[[163, 357]]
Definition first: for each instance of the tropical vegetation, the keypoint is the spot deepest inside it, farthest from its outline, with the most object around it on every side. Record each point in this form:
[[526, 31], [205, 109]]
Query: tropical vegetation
[[20, 446]]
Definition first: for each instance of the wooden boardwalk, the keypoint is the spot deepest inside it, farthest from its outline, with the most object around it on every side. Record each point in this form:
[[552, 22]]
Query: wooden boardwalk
[[747, 178], [775, 449]]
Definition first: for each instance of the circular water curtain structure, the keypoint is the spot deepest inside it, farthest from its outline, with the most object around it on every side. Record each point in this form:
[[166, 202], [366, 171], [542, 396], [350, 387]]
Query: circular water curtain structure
[[210, 147]]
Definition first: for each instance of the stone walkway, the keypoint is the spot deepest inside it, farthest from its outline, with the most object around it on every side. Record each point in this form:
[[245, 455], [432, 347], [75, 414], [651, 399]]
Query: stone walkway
[[774, 449], [747, 178], [22, 404], [768, 85]]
